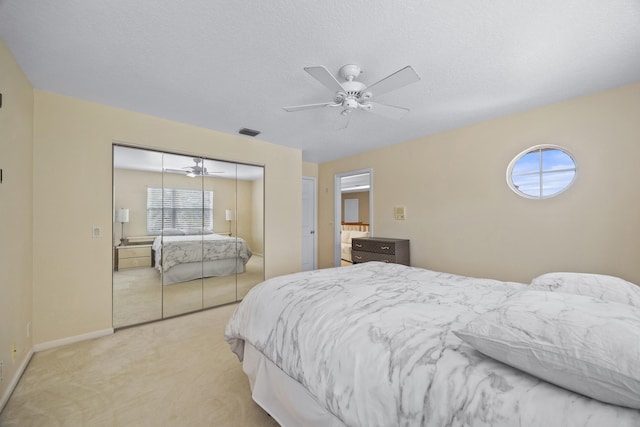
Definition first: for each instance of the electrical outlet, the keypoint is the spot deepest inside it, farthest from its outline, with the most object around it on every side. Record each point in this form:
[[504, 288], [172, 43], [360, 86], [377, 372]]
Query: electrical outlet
[[14, 352]]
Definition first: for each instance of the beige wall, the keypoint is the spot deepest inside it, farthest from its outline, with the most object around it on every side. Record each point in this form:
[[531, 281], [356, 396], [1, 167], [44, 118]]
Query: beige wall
[[309, 169], [463, 218], [72, 174], [16, 210]]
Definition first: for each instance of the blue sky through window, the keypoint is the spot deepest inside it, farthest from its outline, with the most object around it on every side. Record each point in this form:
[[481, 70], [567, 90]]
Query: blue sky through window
[[542, 172]]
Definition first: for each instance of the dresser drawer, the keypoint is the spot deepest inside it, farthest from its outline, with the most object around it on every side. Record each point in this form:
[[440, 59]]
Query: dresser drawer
[[134, 252], [134, 262], [379, 246], [383, 249], [360, 256]]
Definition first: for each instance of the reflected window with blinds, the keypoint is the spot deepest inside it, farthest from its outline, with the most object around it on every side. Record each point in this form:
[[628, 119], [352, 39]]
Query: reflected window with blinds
[[171, 208]]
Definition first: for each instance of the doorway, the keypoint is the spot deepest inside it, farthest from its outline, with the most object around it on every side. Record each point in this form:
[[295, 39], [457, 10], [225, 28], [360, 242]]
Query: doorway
[[353, 195]]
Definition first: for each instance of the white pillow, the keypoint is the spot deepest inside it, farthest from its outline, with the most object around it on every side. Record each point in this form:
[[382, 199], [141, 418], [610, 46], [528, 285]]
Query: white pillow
[[196, 231], [595, 285], [583, 344], [358, 234], [172, 232]]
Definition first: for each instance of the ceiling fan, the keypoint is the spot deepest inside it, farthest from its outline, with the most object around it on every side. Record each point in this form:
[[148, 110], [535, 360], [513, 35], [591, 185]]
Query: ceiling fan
[[195, 170], [353, 95]]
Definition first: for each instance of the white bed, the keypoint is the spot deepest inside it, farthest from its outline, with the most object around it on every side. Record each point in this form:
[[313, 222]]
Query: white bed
[[187, 257], [378, 344]]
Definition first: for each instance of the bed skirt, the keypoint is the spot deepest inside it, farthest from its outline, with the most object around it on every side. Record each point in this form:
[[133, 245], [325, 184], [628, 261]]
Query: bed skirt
[[288, 402]]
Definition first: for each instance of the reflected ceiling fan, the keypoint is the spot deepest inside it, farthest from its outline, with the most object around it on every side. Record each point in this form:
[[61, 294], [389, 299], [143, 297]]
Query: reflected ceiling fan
[[353, 95], [195, 170]]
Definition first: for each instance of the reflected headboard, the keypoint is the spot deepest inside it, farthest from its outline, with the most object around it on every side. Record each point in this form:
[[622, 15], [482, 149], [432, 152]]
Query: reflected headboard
[[355, 226]]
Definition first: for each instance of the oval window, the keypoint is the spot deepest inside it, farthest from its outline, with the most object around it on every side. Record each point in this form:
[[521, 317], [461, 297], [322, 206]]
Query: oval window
[[541, 171]]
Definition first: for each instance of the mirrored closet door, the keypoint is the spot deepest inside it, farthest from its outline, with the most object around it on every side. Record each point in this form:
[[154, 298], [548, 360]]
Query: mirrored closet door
[[188, 233]]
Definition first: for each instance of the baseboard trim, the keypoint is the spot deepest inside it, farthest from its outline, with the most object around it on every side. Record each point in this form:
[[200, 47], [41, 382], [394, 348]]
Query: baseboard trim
[[70, 340], [16, 378]]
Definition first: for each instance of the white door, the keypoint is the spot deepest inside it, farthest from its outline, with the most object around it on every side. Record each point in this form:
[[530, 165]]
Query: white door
[[351, 213], [308, 223]]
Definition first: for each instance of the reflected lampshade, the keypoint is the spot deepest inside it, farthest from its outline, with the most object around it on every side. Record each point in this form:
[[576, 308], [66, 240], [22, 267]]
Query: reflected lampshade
[[122, 215]]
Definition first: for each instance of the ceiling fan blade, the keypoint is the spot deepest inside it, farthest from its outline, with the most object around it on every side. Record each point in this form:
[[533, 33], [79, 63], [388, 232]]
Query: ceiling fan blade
[[321, 74], [389, 111], [342, 121], [308, 106], [400, 78]]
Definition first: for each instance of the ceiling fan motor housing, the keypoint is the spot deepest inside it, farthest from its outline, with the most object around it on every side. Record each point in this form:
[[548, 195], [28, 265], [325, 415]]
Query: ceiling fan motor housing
[[353, 87], [354, 95]]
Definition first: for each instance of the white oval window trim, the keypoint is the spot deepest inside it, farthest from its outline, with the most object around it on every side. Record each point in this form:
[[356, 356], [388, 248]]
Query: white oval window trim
[[538, 174]]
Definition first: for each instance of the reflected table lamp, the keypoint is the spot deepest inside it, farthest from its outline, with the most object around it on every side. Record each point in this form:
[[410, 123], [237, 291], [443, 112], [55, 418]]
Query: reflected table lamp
[[228, 214], [122, 216]]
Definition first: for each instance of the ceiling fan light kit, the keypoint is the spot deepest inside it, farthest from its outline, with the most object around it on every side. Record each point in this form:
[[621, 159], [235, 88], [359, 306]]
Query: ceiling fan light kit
[[352, 95]]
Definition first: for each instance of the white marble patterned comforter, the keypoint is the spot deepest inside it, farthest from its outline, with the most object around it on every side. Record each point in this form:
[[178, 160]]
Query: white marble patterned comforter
[[373, 343], [174, 250]]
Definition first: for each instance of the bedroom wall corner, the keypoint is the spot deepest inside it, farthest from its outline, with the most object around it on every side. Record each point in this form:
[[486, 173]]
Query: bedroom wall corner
[[73, 174], [16, 211]]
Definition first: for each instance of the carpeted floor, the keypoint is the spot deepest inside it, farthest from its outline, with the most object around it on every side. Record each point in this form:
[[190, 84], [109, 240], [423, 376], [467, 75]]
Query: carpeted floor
[[177, 372]]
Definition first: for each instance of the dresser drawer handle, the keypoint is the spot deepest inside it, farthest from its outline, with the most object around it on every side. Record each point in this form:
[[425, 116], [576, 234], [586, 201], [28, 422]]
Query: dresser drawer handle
[[385, 248], [358, 245], [358, 257]]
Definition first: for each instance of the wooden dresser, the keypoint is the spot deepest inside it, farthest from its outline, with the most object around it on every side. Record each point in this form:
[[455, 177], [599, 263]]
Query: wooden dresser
[[365, 249]]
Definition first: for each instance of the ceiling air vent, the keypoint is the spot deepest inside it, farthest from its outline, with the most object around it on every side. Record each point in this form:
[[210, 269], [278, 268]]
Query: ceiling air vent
[[248, 132]]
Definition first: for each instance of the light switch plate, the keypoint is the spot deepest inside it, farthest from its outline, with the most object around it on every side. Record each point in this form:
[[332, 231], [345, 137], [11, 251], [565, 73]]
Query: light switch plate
[[96, 231], [400, 212]]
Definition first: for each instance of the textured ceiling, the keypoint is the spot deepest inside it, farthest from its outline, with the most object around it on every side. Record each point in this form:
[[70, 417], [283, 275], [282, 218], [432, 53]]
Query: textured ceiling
[[226, 65]]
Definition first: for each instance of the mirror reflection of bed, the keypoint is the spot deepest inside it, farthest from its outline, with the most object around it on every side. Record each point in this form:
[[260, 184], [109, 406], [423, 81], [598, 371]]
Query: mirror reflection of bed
[[198, 236]]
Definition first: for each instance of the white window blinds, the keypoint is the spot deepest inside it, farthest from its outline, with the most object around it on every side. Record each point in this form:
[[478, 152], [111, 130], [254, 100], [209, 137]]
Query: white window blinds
[[178, 208]]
